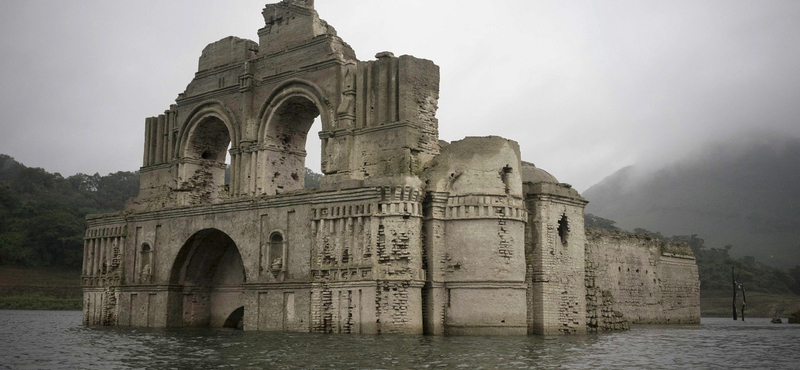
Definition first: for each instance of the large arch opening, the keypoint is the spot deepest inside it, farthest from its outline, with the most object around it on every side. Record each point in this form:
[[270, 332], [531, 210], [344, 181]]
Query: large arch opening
[[206, 157], [285, 139], [210, 273]]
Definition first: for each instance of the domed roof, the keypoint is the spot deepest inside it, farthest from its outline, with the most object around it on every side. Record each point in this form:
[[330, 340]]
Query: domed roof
[[532, 174]]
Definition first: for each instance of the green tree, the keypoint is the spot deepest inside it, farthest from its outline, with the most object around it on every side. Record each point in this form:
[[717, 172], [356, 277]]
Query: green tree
[[591, 220], [42, 214], [312, 179]]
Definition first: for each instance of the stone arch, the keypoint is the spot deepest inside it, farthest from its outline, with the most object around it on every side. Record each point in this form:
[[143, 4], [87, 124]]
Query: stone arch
[[209, 272], [296, 88], [204, 111], [284, 123], [204, 140]]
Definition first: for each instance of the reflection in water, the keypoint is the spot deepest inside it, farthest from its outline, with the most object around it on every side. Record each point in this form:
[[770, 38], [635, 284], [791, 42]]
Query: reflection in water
[[48, 339]]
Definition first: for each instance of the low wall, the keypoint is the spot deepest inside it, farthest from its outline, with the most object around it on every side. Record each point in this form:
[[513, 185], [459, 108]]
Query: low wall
[[637, 279]]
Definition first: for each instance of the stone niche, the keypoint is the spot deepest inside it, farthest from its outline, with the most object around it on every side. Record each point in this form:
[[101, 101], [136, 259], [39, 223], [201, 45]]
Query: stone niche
[[406, 234]]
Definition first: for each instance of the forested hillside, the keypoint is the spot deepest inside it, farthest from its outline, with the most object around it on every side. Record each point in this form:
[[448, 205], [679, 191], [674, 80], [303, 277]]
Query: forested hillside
[[42, 214]]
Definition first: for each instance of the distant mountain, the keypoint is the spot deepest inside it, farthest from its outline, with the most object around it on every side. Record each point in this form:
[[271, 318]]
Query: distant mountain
[[744, 193]]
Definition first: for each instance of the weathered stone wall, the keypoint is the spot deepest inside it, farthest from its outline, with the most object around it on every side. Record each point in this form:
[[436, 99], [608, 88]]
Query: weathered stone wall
[[194, 266], [102, 271], [474, 234], [257, 101], [555, 256], [637, 279]]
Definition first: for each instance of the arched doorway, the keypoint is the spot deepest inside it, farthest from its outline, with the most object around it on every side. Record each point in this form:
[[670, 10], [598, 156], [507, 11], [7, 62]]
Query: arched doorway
[[285, 136], [210, 274]]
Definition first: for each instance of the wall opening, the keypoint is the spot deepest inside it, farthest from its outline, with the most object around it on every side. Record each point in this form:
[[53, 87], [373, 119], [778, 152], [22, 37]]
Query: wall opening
[[313, 174], [145, 263], [228, 167], [286, 139], [563, 229], [505, 175], [210, 272], [236, 319]]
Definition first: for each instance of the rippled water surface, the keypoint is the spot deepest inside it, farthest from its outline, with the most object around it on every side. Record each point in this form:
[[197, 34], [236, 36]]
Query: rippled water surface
[[52, 340]]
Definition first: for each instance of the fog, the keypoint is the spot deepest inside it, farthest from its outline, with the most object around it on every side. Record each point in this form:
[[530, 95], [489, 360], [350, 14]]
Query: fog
[[585, 87]]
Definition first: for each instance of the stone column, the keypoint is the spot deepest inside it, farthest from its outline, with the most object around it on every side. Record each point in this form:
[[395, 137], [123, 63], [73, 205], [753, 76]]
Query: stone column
[[147, 128]]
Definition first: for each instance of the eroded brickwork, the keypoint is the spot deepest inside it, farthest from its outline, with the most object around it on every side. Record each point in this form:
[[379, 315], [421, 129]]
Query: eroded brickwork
[[640, 279], [102, 273], [555, 251]]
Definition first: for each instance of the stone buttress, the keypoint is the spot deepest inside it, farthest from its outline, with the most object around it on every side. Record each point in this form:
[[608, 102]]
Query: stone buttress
[[554, 252], [474, 233]]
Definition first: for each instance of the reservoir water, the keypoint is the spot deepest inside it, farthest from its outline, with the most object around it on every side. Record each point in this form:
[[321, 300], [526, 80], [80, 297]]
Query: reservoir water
[[57, 340]]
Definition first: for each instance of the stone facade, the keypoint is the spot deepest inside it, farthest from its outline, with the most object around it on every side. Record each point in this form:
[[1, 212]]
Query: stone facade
[[407, 233], [639, 280]]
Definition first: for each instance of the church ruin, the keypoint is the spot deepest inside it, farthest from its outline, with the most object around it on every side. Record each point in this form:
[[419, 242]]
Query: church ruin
[[406, 234]]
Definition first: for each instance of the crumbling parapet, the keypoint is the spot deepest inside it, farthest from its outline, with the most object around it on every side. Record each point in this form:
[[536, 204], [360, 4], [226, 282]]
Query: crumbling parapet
[[651, 281]]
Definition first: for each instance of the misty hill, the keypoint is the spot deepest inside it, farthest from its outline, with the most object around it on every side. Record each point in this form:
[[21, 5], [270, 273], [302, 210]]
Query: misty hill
[[744, 193]]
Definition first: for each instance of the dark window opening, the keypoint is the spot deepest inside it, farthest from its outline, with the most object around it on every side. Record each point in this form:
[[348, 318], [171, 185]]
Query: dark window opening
[[145, 264], [504, 175], [563, 229]]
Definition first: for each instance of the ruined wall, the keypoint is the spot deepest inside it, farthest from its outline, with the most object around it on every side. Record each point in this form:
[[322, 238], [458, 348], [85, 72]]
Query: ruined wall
[[473, 234], [257, 102], [102, 271], [407, 234], [639, 280], [195, 266], [554, 250]]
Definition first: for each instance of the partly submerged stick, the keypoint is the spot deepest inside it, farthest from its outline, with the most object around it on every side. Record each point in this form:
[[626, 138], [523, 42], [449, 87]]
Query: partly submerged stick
[[744, 300], [733, 279]]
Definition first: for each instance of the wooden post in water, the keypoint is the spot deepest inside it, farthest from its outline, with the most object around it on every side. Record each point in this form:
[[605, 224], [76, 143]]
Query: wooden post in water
[[744, 300], [733, 279]]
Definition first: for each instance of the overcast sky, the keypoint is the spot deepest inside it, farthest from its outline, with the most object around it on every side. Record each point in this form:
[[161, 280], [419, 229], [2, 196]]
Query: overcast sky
[[585, 87]]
